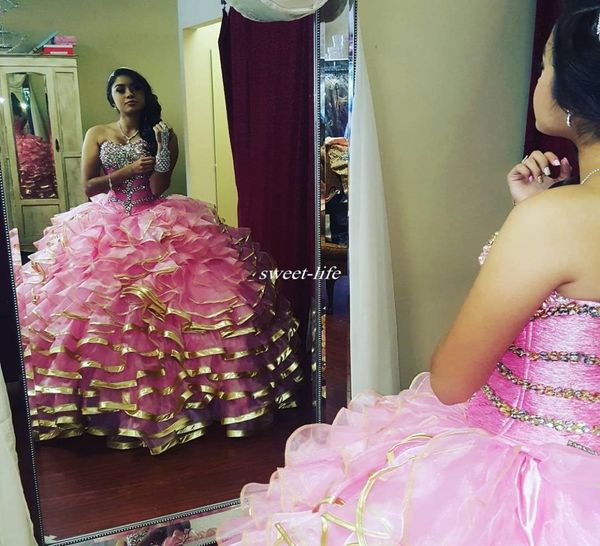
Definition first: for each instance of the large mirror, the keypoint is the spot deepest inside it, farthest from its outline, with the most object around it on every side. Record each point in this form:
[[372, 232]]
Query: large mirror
[[336, 34], [166, 351]]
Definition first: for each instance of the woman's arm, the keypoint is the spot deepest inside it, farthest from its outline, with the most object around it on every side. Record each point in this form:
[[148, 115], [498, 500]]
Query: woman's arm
[[160, 182], [532, 255]]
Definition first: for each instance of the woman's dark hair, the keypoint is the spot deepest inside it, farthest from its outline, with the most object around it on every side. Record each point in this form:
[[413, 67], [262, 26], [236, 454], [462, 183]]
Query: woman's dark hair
[[152, 109], [576, 60]]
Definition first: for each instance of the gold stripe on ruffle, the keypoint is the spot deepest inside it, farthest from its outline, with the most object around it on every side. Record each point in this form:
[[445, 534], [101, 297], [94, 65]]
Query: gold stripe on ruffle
[[288, 371], [157, 450], [283, 397], [339, 521], [124, 444], [128, 327], [160, 418], [92, 340], [53, 372], [361, 532], [71, 315], [228, 334], [171, 428], [244, 417], [230, 433], [55, 390], [46, 336], [324, 531], [197, 327], [64, 433], [124, 277], [114, 406], [226, 376], [62, 420], [417, 436], [59, 408], [283, 535], [116, 385], [101, 431], [88, 363]]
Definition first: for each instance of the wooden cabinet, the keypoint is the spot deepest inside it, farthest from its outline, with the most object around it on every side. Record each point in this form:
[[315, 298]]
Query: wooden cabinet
[[40, 140]]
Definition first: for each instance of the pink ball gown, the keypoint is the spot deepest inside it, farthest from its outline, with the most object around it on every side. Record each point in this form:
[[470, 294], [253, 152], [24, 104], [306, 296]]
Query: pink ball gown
[[515, 465], [146, 319]]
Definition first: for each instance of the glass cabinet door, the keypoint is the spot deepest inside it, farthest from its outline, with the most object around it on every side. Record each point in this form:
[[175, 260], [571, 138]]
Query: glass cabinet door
[[30, 151]]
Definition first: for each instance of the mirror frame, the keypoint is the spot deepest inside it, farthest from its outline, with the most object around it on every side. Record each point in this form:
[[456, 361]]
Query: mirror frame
[[23, 431]]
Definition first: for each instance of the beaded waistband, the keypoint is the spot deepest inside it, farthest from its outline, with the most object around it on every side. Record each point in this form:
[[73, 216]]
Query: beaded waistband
[[548, 390], [128, 189], [560, 425]]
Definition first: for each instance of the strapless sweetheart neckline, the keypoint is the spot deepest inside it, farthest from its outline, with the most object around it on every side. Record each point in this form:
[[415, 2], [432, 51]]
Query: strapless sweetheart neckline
[[566, 300], [121, 143]]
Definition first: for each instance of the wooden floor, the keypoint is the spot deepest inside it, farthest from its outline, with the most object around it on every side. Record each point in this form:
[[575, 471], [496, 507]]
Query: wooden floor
[[86, 487]]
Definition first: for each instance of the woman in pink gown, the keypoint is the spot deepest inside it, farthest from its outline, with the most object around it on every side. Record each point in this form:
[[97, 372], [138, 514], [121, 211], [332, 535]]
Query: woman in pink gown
[[144, 318], [499, 443]]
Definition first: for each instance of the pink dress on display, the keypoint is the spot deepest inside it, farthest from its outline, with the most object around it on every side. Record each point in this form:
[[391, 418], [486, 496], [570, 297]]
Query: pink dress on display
[[146, 319], [515, 465]]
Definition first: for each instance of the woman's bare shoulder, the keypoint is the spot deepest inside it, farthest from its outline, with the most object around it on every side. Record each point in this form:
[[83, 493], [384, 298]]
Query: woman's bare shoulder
[[100, 132]]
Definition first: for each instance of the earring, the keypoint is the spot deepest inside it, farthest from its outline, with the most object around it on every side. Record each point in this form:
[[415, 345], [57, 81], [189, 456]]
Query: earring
[[569, 116]]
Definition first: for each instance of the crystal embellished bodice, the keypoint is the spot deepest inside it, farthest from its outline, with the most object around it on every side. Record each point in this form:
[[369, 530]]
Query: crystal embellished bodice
[[132, 192], [546, 387]]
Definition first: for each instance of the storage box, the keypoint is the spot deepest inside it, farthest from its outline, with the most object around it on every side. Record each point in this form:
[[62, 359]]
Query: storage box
[[58, 49]]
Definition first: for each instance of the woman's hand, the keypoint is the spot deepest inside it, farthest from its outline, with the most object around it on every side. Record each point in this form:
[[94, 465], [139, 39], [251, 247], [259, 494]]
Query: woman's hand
[[141, 167], [533, 174], [163, 134]]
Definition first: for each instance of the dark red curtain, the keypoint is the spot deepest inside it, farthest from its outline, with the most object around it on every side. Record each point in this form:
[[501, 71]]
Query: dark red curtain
[[268, 77], [547, 12]]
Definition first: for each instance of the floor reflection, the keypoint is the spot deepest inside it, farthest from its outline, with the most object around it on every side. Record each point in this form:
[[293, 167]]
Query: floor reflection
[[86, 487]]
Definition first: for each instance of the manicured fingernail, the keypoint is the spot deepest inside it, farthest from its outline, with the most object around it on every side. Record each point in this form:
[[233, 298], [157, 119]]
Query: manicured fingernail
[[547, 171], [530, 179], [556, 163]]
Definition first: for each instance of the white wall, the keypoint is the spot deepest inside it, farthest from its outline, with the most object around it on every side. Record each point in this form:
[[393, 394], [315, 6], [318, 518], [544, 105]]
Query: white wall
[[450, 85], [197, 12]]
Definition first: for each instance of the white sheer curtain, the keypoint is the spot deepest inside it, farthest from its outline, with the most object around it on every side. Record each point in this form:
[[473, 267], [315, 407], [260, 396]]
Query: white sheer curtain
[[15, 524], [373, 337], [275, 10]]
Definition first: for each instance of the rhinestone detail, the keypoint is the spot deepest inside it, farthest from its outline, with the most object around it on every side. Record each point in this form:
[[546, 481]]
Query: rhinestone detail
[[548, 390], [567, 309], [115, 155], [577, 445], [128, 203], [486, 248], [557, 356], [560, 425]]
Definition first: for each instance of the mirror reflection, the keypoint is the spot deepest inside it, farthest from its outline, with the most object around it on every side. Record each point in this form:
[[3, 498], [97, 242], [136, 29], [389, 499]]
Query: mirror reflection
[[162, 357], [336, 68], [32, 132]]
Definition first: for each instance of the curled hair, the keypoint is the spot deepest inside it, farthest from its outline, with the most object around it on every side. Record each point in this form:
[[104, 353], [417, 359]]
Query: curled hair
[[151, 114]]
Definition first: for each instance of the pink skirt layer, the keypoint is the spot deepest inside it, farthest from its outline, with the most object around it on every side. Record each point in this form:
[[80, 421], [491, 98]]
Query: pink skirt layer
[[147, 328], [407, 470]]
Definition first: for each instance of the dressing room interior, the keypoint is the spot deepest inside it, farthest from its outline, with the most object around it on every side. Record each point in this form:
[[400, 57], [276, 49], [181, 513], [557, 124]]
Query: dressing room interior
[[330, 171]]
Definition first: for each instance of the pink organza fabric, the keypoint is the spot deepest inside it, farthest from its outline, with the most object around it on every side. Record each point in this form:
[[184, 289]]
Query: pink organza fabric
[[147, 319], [408, 470]]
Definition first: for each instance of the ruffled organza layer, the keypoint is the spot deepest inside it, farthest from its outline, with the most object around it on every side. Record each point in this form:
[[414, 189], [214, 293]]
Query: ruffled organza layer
[[148, 327], [407, 470]]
